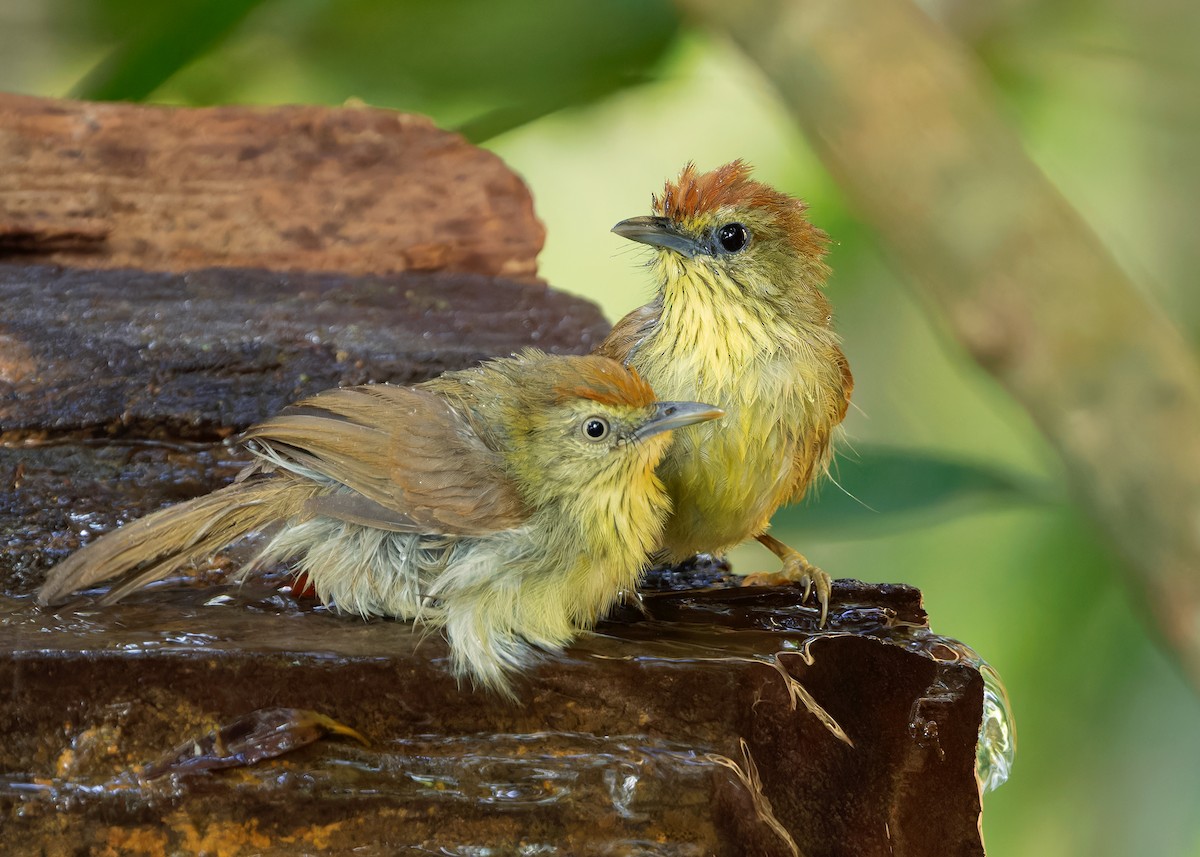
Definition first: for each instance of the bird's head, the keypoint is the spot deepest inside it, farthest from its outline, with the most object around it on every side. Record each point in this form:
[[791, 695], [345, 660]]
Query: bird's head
[[734, 239], [588, 424]]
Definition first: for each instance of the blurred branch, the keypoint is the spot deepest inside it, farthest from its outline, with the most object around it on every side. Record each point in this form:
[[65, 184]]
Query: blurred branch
[[902, 118]]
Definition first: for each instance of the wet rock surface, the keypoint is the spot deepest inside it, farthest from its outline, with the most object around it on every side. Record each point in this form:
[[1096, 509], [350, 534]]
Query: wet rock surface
[[717, 720], [705, 719], [680, 729], [196, 355]]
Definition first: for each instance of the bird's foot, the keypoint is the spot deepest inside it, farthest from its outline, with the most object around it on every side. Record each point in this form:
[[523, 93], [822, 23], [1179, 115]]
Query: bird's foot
[[633, 598], [797, 569]]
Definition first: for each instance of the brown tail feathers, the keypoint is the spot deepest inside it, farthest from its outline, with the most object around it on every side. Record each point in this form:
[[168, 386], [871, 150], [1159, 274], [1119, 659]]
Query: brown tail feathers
[[167, 540]]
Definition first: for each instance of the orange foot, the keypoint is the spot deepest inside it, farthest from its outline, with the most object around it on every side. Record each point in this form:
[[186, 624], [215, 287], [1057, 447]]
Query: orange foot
[[796, 569]]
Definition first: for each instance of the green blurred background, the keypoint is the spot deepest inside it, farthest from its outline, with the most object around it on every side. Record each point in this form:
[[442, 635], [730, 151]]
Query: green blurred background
[[596, 103]]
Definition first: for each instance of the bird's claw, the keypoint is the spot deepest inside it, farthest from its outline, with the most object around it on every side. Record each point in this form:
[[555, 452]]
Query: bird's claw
[[796, 569], [633, 598]]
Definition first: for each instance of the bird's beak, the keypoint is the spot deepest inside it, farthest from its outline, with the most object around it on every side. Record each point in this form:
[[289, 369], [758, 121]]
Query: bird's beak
[[657, 232], [673, 415]]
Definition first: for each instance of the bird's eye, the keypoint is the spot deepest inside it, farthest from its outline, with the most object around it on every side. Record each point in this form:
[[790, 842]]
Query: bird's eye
[[595, 428], [732, 237]]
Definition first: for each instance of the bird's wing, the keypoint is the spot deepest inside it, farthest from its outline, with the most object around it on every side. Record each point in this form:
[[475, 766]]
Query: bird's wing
[[412, 462], [847, 385], [815, 450], [622, 341]]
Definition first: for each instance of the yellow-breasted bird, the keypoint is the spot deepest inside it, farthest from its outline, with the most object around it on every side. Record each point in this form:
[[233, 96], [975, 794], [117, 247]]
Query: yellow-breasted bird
[[739, 320], [509, 503]]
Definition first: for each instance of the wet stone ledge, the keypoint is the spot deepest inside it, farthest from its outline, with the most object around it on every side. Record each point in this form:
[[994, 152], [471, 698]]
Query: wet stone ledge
[[200, 717], [681, 730]]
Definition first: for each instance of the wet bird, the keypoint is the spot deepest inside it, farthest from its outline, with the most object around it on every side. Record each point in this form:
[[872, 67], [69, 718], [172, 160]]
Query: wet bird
[[739, 320], [509, 504]]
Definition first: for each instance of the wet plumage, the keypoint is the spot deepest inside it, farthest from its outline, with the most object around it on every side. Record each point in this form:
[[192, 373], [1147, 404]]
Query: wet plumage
[[739, 320], [508, 504]]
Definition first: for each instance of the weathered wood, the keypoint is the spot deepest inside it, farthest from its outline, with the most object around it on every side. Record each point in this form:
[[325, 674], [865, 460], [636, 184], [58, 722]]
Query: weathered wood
[[285, 188], [669, 733], [203, 354], [633, 736]]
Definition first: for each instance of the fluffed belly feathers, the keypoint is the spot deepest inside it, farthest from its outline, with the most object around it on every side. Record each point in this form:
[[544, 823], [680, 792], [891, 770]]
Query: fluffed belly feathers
[[497, 600]]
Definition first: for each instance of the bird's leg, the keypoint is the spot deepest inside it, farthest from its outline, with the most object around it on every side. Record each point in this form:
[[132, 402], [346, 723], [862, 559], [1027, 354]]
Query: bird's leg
[[796, 569]]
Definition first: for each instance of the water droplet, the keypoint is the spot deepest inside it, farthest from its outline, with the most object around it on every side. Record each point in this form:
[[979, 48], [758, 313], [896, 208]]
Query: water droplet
[[997, 745]]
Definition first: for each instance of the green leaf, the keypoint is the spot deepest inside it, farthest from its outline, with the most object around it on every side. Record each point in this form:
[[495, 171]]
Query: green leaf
[[876, 490], [477, 65], [169, 36], [485, 66], [493, 123]]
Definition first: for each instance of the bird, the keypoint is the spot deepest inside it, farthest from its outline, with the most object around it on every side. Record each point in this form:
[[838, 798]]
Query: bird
[[738, 319], [508, 504]]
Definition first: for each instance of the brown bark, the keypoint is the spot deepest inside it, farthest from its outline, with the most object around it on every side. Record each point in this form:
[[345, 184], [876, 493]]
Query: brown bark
[[288, 188], [903, 119]]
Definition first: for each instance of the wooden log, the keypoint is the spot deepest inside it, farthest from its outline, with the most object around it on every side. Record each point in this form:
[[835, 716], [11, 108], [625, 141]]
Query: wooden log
[[286, 188]]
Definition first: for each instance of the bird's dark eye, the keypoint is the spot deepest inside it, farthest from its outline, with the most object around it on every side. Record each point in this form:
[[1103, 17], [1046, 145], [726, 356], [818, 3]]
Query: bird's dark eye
[[595, 428], [732, 237]]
